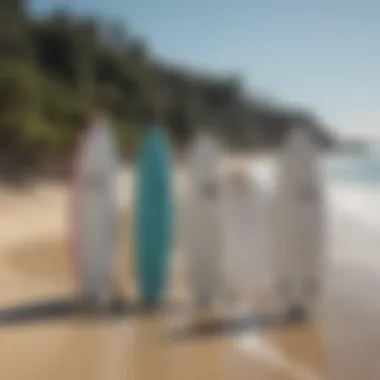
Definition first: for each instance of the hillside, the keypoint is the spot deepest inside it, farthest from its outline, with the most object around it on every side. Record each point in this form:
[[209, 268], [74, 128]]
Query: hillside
[[58, 71]]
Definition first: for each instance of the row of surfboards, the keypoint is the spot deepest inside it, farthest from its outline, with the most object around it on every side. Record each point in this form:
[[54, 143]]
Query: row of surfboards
[[230, 244]]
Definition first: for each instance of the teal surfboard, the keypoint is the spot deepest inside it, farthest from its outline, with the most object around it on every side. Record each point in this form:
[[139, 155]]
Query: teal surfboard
[[153, 216]]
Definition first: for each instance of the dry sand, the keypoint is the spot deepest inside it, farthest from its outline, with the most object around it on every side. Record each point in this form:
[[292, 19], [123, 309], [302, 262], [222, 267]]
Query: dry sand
[[36, 268]]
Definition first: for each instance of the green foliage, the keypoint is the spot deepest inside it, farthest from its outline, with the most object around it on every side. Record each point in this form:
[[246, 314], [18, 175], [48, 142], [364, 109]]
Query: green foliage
[[79, 67], [19, 103]]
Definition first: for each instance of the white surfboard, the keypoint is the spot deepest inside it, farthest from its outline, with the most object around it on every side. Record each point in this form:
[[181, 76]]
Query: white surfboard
[[298, 223], [94, 213], [203, 245], [246, 261]]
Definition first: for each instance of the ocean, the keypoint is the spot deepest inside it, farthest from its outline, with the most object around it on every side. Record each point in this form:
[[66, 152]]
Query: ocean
[[353, 187], [352, 184], [352, 203]]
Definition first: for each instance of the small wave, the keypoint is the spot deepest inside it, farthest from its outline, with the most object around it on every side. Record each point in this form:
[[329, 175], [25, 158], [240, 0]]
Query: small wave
[[352, 185]]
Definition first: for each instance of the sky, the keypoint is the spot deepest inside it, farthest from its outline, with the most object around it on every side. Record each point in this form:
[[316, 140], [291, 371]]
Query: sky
[[321, 54]]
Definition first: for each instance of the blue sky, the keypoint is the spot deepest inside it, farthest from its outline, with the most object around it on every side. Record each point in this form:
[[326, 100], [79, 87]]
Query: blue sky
[[323, 54]]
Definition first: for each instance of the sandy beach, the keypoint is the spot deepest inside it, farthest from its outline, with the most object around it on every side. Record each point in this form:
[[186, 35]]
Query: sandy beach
[[36, 268]]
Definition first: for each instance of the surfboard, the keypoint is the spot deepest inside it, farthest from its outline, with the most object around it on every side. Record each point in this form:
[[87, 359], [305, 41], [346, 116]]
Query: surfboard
[[246, 260], [203, 220], [153, 216], [298, 224], [93, 213]]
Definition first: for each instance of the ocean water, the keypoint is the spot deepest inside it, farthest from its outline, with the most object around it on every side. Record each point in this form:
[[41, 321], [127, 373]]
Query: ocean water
[[352, 184], [349, 305], [364, 170], [352, 194]]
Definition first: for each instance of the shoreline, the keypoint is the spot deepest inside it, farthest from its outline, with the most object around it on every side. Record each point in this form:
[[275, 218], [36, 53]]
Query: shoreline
[[36, 268], [40, 210]]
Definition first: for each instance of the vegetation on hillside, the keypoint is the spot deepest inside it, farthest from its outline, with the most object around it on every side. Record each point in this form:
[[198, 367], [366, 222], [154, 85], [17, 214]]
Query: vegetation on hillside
[[57, 72]]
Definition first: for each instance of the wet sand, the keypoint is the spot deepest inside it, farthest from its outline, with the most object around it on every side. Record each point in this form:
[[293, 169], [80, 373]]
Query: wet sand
[[35, 272]]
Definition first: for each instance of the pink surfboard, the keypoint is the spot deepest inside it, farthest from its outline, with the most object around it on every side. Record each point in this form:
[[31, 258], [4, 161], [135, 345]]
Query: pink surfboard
[[93, 213]]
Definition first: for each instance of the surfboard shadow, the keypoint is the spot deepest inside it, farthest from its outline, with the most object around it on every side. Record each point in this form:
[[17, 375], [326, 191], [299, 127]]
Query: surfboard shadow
[[58, 309], [235, 325]]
